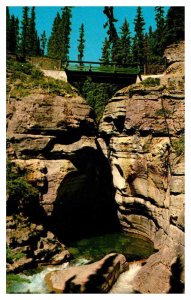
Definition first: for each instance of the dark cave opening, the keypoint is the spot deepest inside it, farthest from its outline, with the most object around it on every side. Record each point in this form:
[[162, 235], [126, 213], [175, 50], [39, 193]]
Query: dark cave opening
[[85, 204]]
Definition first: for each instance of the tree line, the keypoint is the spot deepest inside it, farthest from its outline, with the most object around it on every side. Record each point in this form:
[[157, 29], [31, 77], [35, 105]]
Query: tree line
[[143, 47], [119, 47], [22, 37]]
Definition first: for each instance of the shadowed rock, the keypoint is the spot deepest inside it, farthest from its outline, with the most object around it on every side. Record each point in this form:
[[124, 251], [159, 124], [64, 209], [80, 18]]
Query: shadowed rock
[[97, 277]]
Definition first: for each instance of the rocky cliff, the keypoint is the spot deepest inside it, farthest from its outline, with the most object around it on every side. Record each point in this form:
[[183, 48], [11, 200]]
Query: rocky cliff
[[135, 157], [51, 141], [143, 126]]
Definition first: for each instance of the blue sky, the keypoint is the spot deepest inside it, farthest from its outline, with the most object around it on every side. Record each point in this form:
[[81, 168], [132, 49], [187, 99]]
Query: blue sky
[[93, 19]]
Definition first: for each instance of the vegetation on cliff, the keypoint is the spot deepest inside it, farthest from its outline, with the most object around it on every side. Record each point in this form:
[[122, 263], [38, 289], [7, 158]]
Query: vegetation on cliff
[[19, 191], [24, 78]]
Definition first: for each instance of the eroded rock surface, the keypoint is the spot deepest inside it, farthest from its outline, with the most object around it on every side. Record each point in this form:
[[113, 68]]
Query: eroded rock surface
[[97, 277], [138, 158], [143, 126]]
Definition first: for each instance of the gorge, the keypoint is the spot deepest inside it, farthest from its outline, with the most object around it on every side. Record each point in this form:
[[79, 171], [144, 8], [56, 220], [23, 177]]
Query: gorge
[[127, 174]]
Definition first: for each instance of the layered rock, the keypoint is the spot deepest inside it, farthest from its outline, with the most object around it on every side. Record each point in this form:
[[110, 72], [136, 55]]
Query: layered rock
[[29, 244], [51, 138], [97, 277], [143, 127], [51, 141]]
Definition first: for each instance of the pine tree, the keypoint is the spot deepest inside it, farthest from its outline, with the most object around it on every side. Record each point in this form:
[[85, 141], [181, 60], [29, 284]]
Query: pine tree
[[32, 34], [175, 25], [124, 44], [14, 34], [59, 41], [38, 48], [8, 28], [25, 34], [65, 29], [106, 53], [159, 35], [150, 46], [81, 44], [138, 40], [54, 42], [43, 41], [112, 32]]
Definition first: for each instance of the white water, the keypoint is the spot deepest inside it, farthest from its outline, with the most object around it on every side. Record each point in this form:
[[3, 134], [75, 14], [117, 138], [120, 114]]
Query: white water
[[36, 284], [124, 283]]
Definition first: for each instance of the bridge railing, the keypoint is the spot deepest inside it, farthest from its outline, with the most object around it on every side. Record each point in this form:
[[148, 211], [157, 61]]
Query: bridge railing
[[89, 66]]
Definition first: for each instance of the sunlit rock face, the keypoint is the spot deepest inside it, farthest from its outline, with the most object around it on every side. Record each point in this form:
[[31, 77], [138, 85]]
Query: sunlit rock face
[[147, 166], [52, 139], [143, 127]]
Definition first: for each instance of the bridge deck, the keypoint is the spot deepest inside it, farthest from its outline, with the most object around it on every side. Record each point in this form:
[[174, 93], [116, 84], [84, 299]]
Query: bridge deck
[[100, 72]]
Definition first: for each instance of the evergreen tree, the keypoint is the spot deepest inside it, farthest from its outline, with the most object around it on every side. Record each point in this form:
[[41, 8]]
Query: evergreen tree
[[33, 39], [174, 25], [8, 28], [150, 57], [59, 41], [12, 31], [138, 40], [65, 29], [43, 41], [124, 44], [105, 58], [159, 35], [25, 34], [81, 44], [14, 34], [38, 50], [54, 42], [112, 32]]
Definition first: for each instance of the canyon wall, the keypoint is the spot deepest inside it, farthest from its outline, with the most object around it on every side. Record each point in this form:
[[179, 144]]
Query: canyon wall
[[143, 126], [135, 157]]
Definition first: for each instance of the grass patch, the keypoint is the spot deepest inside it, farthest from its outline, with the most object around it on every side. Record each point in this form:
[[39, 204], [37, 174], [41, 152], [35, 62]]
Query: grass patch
[[178, 145], [13, 256], [151, 81], [26, 79]]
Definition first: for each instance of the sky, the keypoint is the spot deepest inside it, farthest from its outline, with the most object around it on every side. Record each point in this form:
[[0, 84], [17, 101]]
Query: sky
[[93, 19]]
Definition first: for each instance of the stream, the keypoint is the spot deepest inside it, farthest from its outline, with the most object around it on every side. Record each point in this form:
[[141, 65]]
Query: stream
[[87, 251]]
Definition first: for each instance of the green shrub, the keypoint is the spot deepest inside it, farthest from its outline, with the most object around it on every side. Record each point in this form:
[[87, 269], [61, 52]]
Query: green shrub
[[37, 74], [151, 81], [12, 256], [20, 192], [178, 145], [162, 112], [26, 78]]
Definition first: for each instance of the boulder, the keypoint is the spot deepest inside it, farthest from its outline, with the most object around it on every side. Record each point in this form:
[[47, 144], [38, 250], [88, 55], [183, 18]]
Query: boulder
[[97, 277], [175, 53], [161, 274]]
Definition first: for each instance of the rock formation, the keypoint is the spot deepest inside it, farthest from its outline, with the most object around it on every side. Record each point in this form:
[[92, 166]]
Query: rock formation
[[136, 158], [97, 277], [143, 125], [51, 140]]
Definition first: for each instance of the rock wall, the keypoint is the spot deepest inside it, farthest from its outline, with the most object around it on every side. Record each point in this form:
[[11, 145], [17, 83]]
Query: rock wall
[[52, 139], [137, 158], [143, 126]]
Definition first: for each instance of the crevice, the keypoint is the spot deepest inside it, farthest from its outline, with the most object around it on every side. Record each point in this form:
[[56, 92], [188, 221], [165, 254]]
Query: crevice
[[85, 202]]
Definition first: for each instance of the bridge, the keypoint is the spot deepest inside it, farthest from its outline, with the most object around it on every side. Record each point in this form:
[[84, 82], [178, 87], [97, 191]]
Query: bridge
[[100, 72]]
